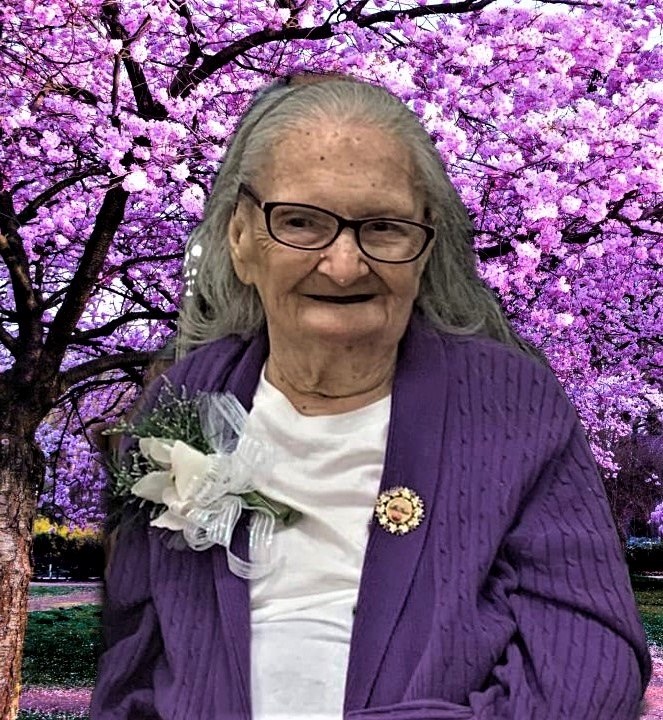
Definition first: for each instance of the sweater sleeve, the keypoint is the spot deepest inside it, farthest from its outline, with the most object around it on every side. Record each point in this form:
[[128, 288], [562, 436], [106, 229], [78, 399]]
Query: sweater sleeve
[[132, 637], [578, 651], [124, 688]]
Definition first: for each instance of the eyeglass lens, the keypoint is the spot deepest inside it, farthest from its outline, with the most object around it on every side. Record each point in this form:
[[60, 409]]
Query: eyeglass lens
[[308, 228]]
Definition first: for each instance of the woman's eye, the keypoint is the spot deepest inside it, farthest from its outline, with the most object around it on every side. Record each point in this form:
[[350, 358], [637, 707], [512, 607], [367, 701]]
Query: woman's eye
[[382, 226], [386, 227], [299, 221]]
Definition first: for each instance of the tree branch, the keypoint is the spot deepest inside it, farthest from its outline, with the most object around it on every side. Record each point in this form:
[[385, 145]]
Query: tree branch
[[13, 255], [152, 259], [195, 53], [138, 297], [494, 251], [30, 210], [107, 222], [95, 367], [146, 105], [388, 16], [571, 234], [354, 13], [187, 79], [113, 325], [27, 300], [73, 91], [9, 341]]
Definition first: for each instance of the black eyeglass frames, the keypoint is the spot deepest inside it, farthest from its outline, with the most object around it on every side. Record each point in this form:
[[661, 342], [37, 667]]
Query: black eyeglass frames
[[308, 227]]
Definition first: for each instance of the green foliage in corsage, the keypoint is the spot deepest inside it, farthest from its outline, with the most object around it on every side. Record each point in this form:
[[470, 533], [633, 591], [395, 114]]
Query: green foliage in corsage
[[173, 424]]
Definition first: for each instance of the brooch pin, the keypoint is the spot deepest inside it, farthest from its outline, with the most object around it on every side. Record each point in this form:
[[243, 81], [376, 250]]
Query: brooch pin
[[399, 510]]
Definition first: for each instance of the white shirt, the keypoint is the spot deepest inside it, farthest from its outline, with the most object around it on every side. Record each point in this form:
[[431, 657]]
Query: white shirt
[[329, 468]]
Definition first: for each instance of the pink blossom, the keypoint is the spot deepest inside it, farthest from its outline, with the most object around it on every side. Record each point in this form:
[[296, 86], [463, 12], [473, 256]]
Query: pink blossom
[[528, 250], [139, 52], [574, 151], [180, 171], [541, 210], [52, 699], [45, 14], [135, 181], [570, 204], [564, 319], [49, 140], [193, 200], [27, 149], [563, 284]]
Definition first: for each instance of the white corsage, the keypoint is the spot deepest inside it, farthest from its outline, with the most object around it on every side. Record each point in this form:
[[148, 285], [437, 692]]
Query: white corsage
[[198, 467]]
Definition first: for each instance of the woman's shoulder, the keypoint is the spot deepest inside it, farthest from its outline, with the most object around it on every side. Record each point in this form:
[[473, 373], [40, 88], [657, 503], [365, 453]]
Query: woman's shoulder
[[485, 364], [201, 366], [201, 369], [491, 355], [490, 374], [214, 352]]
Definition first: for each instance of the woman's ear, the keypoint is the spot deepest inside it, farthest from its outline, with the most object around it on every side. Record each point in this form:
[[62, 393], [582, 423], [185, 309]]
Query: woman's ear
[[238, 241]]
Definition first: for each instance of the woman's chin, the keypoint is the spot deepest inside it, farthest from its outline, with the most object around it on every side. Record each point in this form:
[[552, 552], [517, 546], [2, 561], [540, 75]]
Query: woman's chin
[[311, 322], [345, 325]]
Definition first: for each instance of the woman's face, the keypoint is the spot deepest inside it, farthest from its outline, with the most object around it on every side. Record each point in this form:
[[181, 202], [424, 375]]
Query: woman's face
[[356, 172]]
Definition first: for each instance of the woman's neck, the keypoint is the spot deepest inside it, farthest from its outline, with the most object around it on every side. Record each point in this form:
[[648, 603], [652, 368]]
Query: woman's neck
[[333, 382]]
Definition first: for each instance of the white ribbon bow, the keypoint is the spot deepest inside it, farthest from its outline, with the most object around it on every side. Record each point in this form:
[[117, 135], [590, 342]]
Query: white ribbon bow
[[203, 493]]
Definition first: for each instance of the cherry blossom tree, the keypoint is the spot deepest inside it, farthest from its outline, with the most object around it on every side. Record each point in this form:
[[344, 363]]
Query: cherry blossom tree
[[115, 114]]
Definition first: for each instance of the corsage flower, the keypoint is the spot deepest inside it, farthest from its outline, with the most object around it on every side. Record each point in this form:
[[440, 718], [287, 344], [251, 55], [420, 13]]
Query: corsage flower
[[198, 467]]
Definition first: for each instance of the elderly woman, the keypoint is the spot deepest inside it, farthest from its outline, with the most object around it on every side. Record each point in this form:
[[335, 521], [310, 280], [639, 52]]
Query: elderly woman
[[455, 557]]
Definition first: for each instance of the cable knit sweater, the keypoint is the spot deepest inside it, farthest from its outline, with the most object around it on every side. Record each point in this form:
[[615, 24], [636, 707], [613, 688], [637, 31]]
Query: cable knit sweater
[[511, 601]]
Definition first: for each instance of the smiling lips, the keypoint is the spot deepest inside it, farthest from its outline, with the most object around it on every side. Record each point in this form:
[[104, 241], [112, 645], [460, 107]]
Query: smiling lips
[[341, 299]]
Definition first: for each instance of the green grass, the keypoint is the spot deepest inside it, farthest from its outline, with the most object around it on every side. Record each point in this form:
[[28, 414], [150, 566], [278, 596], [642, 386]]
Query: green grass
[[39, 715], [649, 594], [62, 646], [55, 590]]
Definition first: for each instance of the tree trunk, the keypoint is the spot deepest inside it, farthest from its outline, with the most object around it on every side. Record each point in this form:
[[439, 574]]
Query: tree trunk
[[21, 470]]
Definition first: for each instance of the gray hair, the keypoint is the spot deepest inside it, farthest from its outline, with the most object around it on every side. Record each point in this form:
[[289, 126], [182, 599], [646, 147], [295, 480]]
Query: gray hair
[[452, 296]]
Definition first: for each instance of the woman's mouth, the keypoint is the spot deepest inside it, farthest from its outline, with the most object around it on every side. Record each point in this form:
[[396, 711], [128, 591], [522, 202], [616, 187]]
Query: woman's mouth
[[341, 299]]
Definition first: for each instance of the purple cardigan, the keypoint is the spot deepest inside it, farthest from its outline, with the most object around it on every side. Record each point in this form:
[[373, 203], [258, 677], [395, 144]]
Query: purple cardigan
[[510, 602]]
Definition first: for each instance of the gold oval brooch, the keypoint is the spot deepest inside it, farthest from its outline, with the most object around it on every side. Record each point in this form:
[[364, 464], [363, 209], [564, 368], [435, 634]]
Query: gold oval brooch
[[399, 510]]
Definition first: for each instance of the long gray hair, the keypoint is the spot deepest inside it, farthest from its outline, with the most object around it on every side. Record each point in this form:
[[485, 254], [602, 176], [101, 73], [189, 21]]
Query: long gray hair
[[452, 295]]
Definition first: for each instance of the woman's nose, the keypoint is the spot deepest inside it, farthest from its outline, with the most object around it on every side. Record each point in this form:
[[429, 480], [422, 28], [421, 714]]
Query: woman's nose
[[343, 262]]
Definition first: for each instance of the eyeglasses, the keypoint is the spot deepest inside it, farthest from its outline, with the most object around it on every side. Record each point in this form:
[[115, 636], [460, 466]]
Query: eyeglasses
[[307, 227]]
